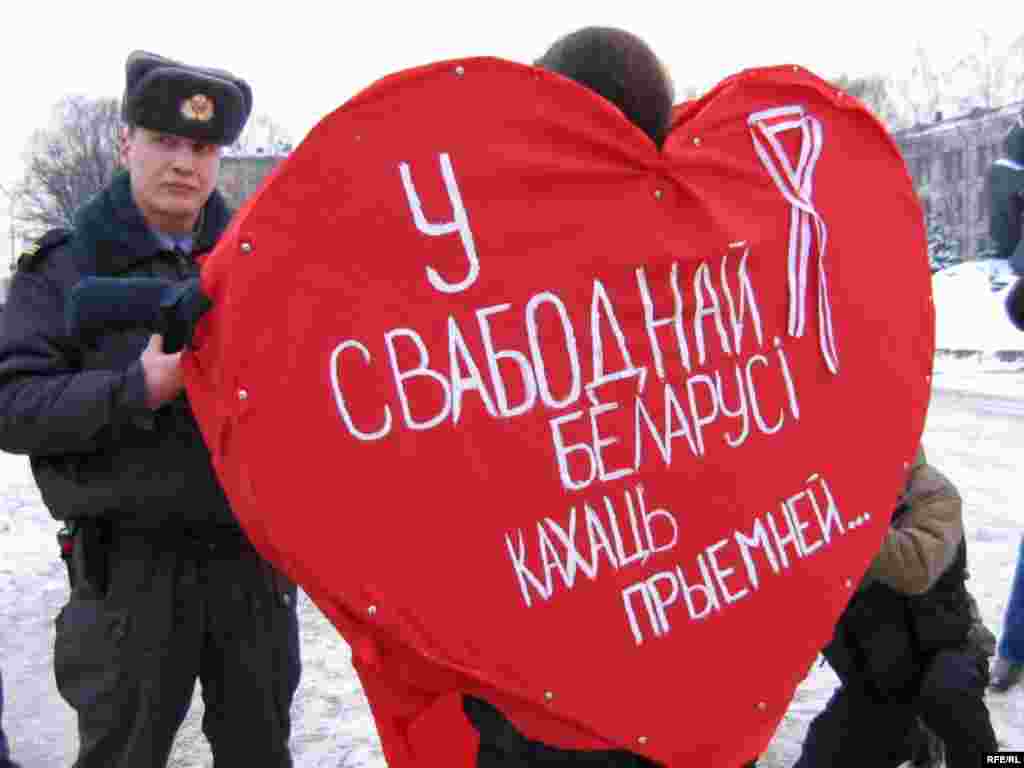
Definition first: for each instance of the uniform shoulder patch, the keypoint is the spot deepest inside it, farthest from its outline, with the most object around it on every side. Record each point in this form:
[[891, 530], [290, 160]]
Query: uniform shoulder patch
[[34, 254]]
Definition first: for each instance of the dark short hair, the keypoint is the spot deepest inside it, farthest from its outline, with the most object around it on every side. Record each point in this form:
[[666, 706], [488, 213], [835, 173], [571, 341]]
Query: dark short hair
[[622, 68]]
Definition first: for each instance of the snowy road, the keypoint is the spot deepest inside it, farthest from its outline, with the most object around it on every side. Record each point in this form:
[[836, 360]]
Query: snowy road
[[975, 438], [984, 405]]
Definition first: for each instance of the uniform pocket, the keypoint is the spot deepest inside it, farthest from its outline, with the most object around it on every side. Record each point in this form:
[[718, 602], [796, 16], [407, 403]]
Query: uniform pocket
[[87, 657]]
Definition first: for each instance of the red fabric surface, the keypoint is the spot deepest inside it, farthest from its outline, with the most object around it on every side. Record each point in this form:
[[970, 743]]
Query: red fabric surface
[[438, 544]]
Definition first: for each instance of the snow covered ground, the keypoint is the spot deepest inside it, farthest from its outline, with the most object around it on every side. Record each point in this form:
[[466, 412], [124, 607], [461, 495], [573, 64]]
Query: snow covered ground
[[975, 433]]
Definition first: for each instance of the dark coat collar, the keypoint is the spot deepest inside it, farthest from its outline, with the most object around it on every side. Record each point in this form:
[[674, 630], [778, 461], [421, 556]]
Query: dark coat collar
[[111, 235]]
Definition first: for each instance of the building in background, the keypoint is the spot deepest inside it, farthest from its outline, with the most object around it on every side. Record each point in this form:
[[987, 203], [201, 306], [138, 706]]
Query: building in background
[[240, 175], [948, 161]]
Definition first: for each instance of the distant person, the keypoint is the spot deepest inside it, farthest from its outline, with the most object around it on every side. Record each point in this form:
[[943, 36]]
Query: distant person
[[1008, 669], [166, 589], [1004, 186], [908, 645]]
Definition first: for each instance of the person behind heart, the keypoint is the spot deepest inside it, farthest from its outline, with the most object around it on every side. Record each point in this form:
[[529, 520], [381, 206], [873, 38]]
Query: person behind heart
[[624, 70]]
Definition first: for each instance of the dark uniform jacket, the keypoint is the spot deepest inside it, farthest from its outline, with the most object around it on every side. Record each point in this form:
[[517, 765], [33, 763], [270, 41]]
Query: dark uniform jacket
[[913, 602], [78, 410]]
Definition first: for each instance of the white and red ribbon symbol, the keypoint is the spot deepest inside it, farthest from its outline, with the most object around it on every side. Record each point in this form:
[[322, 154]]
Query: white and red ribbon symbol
[[797, 185]]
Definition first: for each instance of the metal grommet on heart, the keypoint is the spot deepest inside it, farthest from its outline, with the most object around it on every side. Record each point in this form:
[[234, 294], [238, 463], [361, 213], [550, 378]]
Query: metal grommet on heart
[[658, 194], [243, 395], [696, 141], [246, 246], [642, 740], [460, 70], [549, 695], [372, 610]]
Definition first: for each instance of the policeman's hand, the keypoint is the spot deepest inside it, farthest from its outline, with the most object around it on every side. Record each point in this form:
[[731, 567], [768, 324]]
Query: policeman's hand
[[162, 372]]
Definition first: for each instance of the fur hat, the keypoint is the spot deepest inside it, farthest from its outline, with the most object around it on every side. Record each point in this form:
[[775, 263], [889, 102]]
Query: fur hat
[[164, 95]]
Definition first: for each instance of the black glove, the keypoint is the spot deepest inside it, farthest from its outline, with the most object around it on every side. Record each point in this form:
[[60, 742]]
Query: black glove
[[1015, 304], [99, 305]]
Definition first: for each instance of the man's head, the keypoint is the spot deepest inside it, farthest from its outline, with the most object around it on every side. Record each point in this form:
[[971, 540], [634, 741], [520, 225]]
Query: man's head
[[176, 118], [620, 67]]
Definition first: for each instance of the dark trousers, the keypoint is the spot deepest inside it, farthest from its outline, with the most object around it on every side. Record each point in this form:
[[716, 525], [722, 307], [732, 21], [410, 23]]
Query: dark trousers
[[174, 611], [1011, 644], [502, 746], [494, 756], [859, 729]]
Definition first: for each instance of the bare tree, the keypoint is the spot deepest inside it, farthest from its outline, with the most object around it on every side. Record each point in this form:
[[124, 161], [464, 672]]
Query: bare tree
[[69, 162], [874, 91], [988, 77], [925, 92]]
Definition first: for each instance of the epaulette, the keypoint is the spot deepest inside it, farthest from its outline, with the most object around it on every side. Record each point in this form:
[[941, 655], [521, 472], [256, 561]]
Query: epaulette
[[33, 256]]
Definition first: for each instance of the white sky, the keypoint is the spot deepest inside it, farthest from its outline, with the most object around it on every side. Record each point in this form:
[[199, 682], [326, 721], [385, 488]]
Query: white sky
[[304, 59]]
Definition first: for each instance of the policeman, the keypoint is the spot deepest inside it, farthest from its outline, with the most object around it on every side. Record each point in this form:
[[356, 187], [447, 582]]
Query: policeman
[[166, 589]]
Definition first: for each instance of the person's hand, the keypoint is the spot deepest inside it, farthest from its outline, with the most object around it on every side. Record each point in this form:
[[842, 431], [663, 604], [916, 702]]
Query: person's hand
[[162, 373]]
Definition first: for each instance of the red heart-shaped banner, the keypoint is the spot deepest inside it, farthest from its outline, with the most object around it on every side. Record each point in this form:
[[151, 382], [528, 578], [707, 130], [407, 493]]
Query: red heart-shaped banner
[[604, 434]]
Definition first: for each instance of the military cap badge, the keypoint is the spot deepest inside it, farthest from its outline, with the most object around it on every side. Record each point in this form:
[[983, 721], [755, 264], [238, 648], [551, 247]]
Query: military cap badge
[[197, 107]]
